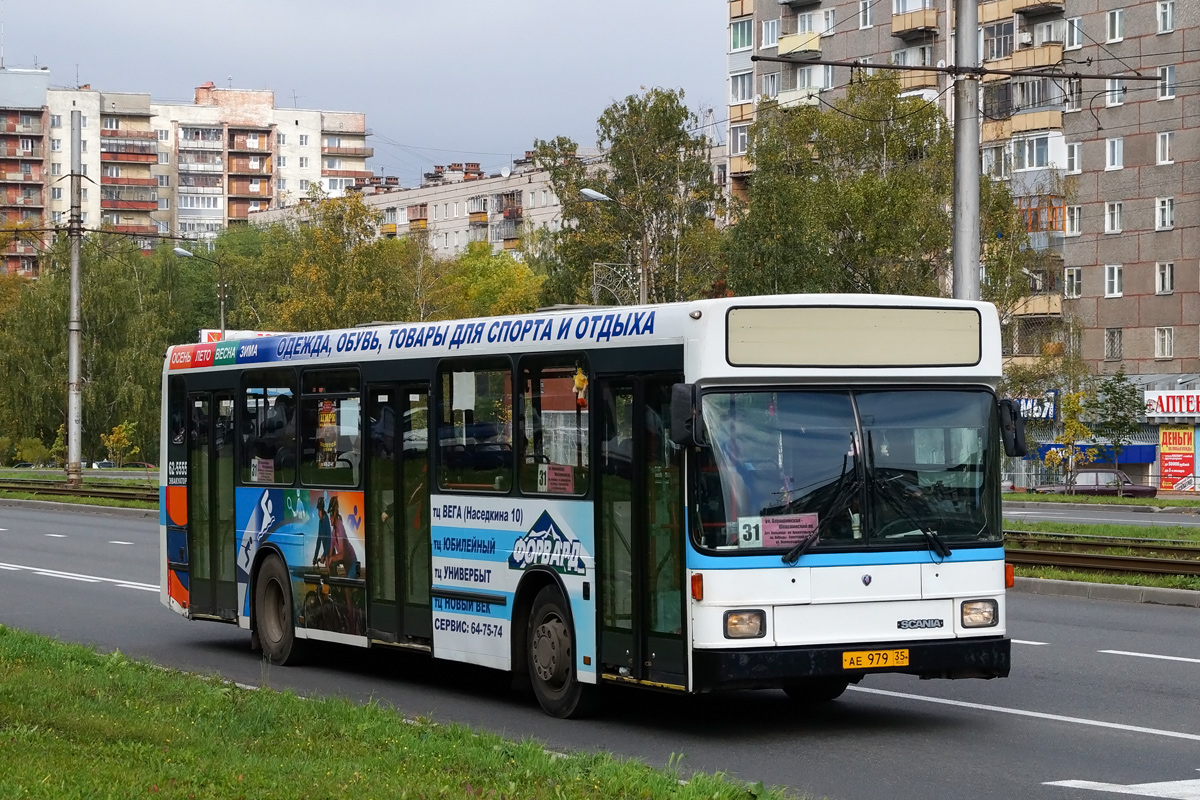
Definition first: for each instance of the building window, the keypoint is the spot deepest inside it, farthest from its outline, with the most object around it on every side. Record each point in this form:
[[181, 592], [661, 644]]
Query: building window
[[163, 203], [1030, 153], [1112, 217], [303, 139], [741, 87], [281, 138], [997, 40], [828, 21], [1114, 282], [1072, 95], [1115, 148], [770, 33], [56, 193], [1074, 158], [255, 162], [112, 170], [1164, 278], [1116, 25], [804, 23], [997, 162], [281, 184], [739, 140], [163, 134], [163, 227], [1164, 219], [1073, 282], [865, 13], [56, 216], [770, 84], [1166, 16], [1115, 94], [55, 168], [1112, 344], [303, 185], [164, 180], [741, 35], [281, 161], [827, 76], [1166, 83], [333, 163], [1074, 34], [27, 168], [56, 145], [83, 120], [110, 123], [55, 120], [303, 162], [1074, 223], [164, 158], [1165, 141], [1164, 342], [255, 186]]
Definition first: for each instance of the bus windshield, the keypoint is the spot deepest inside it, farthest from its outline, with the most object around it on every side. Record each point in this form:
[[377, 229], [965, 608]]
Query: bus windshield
[[868, 468]]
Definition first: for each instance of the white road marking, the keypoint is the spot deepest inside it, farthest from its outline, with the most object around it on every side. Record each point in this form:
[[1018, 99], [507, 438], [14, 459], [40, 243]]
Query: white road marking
[[1024, 641], [119, 542], [1175, 790], [1095, 723], [56, 535], [1150, 655], [53, 573]]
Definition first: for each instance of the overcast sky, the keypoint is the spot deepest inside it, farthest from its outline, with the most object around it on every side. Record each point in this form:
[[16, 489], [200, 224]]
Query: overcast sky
[[439, 80]]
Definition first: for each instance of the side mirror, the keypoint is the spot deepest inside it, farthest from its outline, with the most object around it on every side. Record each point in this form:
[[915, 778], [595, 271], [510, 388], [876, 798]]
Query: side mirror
[[1012, 428], [685, 415]]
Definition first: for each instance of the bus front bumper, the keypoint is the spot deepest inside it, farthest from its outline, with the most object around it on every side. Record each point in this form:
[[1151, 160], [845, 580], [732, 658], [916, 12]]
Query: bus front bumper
[[774, 667]]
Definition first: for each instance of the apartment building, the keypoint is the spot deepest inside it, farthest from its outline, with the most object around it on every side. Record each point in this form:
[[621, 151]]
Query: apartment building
[[23, 175], [1099, 167], [457, 204]]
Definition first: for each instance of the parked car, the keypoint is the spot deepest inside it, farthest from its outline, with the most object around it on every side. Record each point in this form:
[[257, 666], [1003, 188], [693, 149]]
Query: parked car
[[139, 465], [103, 465], [1101, 481], [22, 465]]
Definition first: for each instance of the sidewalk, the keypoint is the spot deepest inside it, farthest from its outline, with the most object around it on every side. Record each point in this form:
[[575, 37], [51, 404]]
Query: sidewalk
[[1109, 591], [1019, 500]]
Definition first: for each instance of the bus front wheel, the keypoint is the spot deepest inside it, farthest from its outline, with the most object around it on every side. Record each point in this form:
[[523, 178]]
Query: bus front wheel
[[551, 659], [273, 615]]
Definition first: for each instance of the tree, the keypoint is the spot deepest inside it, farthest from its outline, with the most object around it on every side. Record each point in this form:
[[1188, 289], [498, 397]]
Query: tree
[[119, 444], [657, 172], [33, 450], [1072, 453], [1116, 409], [487, 283]]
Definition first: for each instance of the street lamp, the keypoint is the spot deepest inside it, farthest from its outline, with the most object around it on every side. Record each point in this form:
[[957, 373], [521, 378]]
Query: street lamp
[[179, 251], [593, 196]]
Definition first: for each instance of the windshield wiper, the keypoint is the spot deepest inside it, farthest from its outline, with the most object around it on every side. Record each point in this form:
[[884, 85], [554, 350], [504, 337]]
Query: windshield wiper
[[847, 493], [896, 499]]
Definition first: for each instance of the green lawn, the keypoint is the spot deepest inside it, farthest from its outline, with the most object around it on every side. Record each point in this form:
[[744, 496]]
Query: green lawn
[[77, 724], [1160, 502]]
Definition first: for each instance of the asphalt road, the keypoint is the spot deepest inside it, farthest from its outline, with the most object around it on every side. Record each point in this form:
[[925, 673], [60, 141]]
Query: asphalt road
[[1102, 693], [1097, 515]]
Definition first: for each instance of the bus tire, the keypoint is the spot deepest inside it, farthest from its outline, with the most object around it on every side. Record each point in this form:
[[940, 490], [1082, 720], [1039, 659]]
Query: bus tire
[[273, 614], [816, 690], [551, 659]]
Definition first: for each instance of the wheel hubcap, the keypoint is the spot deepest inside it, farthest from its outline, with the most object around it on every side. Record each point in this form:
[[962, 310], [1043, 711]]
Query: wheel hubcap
[[551, 652]]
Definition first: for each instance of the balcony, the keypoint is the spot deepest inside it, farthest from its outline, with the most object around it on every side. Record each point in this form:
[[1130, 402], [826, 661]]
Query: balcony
[[1036, 7], [28, 201], [111, 180], [128, 158], [346, 173], [1037, 121], [37, 151], [200, 166], [1042, 304], [201, 144], [20, 177], [237, 167], [148, 230], [244, 190], [129, 205], [34, 128], [1049, 54], [387, 229], [514, 213], [914, 22], [126, 133], [990, 12], [418, 213], [994, 130], [246, 144], [800, 96], [356, 152], [998, 63], [418, 224], [918, 79], [801, 45]]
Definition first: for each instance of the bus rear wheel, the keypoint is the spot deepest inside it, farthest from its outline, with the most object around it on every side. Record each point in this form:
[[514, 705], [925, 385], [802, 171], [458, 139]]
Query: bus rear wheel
[[274, 620], [816, 690], [551, 659]]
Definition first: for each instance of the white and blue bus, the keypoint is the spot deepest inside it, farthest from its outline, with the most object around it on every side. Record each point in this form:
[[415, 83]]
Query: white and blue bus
[[784, 492]]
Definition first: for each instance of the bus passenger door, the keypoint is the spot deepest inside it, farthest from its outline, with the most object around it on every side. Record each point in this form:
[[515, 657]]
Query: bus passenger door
[[212, 534], [640, 534], [398, 512]]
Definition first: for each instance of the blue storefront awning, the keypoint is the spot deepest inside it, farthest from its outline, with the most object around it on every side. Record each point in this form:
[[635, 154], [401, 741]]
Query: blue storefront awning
[[1130, 453]]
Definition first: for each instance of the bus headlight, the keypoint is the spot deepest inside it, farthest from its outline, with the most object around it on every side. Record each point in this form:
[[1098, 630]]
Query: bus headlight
[[979, 613], [745, 624]]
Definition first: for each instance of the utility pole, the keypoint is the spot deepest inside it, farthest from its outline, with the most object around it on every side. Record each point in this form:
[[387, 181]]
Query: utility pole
[[644, 274], [966, 151], [75, 324]]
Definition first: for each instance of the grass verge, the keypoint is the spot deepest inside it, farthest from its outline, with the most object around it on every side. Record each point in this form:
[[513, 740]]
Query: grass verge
[[1159, 502], [77, 724], [1125, 578], [1173, 532], [85, 501]]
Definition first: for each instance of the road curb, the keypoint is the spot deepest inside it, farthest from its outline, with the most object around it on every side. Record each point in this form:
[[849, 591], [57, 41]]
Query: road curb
[[1101, 506], [1109, 591], [49, 505]]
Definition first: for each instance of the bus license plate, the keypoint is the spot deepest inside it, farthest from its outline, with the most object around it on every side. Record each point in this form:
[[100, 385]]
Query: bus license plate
[[866, 659]]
